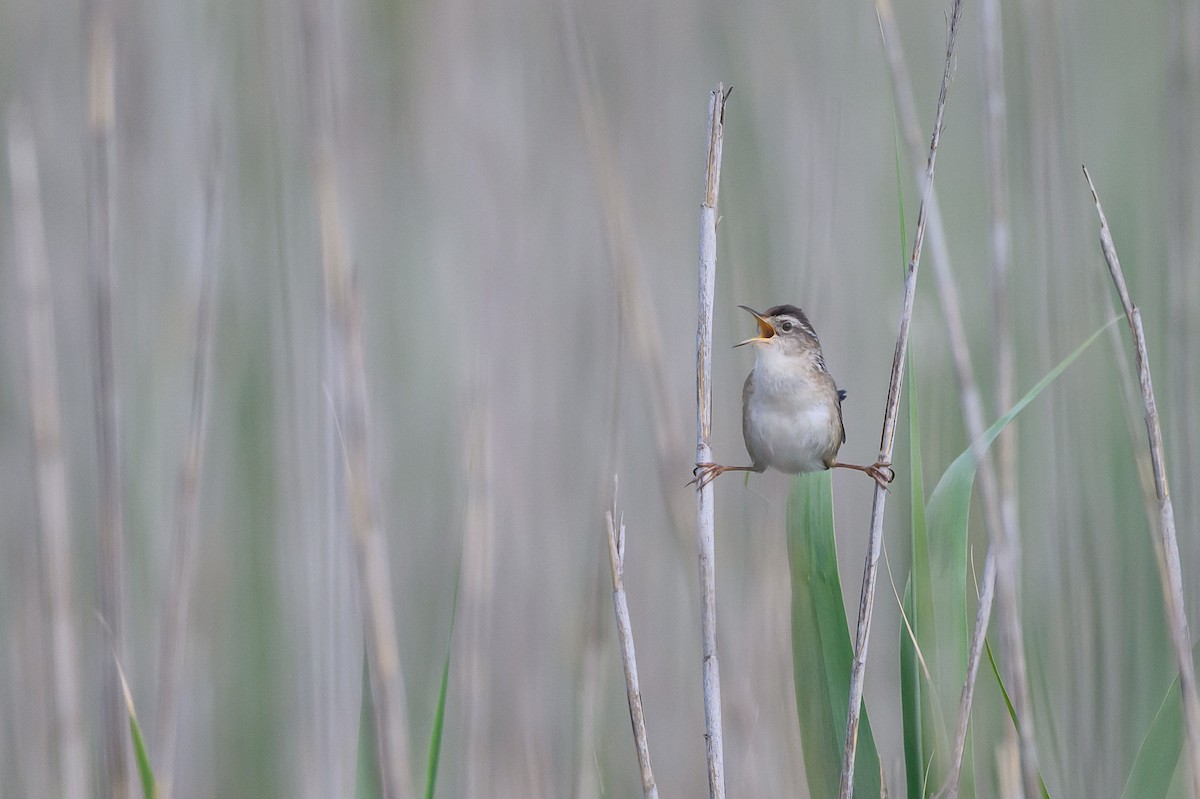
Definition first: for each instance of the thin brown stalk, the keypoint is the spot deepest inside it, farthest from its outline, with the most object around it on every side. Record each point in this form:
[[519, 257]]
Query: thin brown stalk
[[348, 379], [374, 575], [705, 523], [110, 530], [616, 561], [1007, 543], [888, 436], [187, 486], [49, 464], [1132, 400], [1000, 260], [1167, 547]]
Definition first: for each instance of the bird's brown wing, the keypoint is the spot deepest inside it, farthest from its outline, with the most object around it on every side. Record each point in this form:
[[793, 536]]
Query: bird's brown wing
[[747, 392], [841, 395]]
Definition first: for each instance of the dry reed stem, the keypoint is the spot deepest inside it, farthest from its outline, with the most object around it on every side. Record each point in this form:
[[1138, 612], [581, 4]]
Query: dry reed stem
[[110, 531], [374, 575], [187, 487], [1000, 260], [969, 394], [1167, 548], [997, 494], [343, 307], [888, 437], [705, 523], [50, 467], [616, 561], [343, 327], [1008, 543]]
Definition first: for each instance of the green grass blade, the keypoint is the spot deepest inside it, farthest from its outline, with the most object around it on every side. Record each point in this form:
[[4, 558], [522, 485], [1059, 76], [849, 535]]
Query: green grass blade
[[140, 755], [435, 737], [928, 734], [1012, 711], [910, 703], [367, 780], [923, 739], [145, 771], [439, 716], [918, 601], [947, 515], [962, 472], [821, 647], [1158, 756]]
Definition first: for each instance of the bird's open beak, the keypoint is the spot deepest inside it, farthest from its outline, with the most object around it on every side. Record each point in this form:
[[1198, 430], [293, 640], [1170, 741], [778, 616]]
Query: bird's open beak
[[766, 331]]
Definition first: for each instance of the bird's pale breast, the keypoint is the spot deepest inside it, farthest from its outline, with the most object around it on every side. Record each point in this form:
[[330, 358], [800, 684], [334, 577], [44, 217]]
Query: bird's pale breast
[[791, 423]]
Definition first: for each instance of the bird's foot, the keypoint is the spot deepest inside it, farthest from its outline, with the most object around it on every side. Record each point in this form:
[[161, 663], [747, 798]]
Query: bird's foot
[[705, 473], [882, 473]]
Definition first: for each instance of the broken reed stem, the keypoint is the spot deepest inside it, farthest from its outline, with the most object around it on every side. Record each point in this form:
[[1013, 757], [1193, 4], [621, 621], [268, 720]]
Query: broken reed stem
[[187, 491], [110, 528], [887, 439], [1170, 571], [616, 561], [50, 468], [704, 495]]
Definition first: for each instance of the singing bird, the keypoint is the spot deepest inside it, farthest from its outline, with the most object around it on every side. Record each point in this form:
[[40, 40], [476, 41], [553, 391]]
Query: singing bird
[[791, 408]]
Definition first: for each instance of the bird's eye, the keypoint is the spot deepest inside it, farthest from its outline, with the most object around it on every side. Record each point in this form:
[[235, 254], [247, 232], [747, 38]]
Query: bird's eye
[[787, 327]]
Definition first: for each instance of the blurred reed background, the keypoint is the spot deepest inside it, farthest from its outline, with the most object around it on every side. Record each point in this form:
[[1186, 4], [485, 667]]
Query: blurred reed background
[[506, 195]]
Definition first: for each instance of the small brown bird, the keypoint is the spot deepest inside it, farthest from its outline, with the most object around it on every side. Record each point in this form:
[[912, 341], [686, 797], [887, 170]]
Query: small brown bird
[[791, 408]]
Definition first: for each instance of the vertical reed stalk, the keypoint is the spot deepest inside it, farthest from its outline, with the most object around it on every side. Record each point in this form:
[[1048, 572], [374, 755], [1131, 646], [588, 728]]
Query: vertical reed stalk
[[888, 437], [633, 693], [1167, 546], [705, 523], [997, 492], [347, 369], [110, 532], [1006, 538], [49, 464], [187, 490]]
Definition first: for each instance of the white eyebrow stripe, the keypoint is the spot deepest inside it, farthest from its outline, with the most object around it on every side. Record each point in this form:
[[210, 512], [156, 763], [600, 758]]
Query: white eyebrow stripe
[[802, 324]]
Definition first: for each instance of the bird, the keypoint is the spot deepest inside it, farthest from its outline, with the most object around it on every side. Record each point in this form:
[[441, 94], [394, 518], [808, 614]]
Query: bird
[[791, 406]]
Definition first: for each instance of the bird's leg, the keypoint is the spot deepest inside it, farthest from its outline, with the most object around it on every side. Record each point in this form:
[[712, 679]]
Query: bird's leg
[[882, 473], [705, 473]]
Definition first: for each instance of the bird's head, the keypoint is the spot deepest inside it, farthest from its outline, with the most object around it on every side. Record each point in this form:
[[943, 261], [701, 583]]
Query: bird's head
[[784, 328]]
